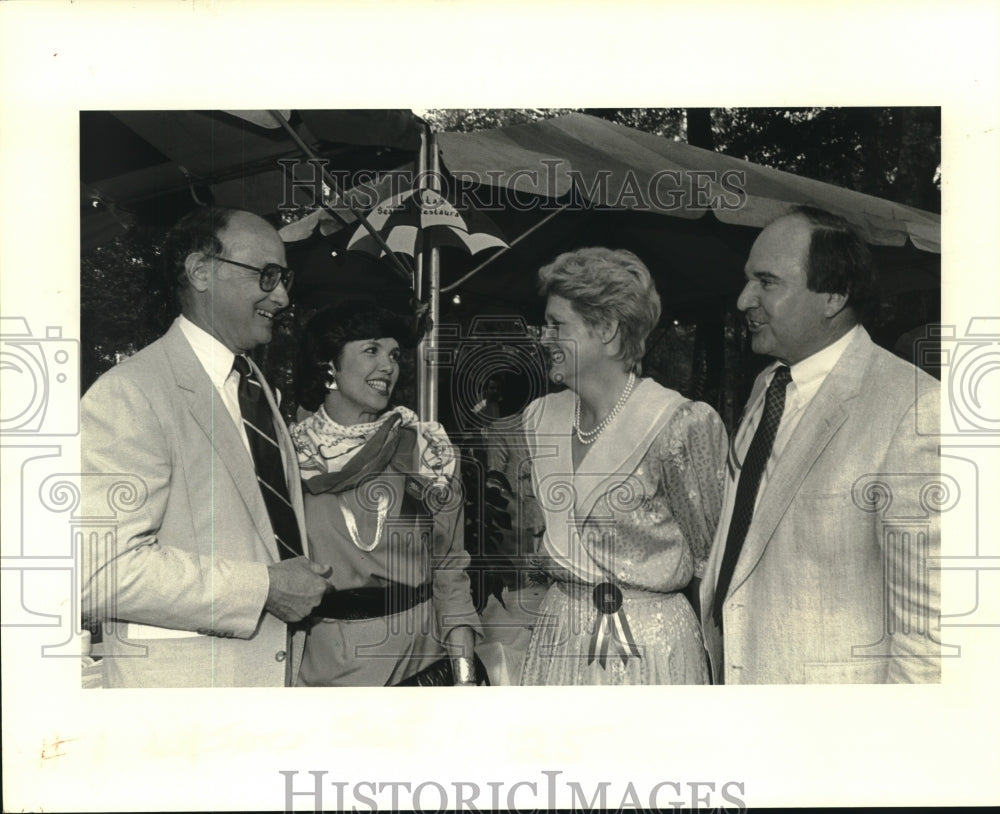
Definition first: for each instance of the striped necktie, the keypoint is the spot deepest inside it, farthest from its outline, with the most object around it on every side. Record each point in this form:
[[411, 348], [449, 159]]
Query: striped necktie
[[746, 492], [258, 423]]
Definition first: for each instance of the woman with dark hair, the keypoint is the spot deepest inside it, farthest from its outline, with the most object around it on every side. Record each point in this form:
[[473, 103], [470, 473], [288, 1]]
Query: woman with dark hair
[[627, 476], [383, 506]]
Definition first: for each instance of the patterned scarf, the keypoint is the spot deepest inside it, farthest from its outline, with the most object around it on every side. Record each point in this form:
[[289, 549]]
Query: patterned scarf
[[324, 446]]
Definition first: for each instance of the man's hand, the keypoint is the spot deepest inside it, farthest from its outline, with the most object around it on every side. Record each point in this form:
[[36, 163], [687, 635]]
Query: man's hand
[[295, 587]]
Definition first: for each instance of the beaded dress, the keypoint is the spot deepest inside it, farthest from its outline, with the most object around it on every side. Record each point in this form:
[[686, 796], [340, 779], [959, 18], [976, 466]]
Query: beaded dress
[[624, 534]]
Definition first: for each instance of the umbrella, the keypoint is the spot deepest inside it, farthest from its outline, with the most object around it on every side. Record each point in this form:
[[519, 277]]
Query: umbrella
[[402, 219]]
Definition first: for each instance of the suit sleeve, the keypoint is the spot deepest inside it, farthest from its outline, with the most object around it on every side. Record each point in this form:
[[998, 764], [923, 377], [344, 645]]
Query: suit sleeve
[[910, 560], [136, 575]]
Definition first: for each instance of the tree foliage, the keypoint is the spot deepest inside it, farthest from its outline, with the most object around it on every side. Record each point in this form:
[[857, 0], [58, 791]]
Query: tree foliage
[[889, 152], [470, 120], [123, 300], [892, 153], [660, 121]]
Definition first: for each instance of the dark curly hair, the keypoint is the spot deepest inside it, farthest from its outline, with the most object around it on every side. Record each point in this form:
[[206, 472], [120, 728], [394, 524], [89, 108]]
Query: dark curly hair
[[197, 231], [326, 334]]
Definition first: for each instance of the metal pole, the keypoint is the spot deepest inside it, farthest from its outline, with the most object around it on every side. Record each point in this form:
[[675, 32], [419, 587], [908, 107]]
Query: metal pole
[[434, 292], [423, 376]]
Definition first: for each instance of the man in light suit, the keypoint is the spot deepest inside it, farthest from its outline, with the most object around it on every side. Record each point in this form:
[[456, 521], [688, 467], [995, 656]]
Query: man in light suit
[[193, 590], [833, 580]]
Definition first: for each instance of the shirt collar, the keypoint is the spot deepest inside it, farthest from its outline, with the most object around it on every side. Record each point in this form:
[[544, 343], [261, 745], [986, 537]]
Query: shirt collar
[[809, 373], [215, 357], [823, 361]]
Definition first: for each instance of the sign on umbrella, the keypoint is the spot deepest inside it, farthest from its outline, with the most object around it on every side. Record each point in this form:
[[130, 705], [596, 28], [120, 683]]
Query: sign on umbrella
[[404, 218]]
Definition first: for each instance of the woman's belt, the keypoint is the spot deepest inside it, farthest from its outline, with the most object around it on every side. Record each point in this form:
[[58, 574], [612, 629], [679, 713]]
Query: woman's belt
[[584, 591], [373, 602]]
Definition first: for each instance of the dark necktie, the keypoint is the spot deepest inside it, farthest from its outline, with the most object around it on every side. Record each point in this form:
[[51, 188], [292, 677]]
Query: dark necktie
[[746, 492], [259, 426]]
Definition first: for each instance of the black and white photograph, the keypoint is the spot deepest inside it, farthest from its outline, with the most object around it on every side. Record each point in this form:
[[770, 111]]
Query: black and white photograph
[[650, 447]]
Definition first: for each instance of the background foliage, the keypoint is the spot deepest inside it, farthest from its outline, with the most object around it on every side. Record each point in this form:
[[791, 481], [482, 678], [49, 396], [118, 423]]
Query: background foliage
[[892, 153]]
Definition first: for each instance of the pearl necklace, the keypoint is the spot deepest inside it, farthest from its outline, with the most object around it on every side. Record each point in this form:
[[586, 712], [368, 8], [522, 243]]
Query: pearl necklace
[[590, 436]]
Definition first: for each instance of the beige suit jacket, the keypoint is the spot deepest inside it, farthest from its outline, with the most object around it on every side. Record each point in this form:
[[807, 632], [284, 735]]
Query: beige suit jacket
[[183, 582], [836, 581]]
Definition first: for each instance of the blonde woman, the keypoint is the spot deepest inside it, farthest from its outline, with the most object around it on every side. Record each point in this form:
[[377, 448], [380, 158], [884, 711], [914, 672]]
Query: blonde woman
[[628, 477]]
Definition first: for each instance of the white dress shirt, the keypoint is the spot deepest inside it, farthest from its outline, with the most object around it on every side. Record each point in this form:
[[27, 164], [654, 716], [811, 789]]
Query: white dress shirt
[[217, 360]]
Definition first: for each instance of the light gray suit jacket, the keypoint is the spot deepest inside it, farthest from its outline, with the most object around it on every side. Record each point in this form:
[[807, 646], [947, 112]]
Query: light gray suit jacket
[[836, 581], [184, 581]]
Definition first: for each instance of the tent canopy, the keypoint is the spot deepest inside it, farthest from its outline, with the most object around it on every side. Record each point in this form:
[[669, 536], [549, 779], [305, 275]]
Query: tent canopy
[[610, 165], [690, 214], [150, 166]]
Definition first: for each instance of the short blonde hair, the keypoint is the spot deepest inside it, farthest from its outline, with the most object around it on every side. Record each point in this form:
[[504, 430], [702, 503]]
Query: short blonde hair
[[604, 285]]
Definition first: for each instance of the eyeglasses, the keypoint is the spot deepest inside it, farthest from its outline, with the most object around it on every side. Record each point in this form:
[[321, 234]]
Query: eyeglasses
[[269, 275]]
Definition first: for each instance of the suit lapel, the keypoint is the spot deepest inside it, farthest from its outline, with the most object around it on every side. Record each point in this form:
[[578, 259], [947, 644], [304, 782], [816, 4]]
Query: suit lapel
[[289, 457], [208, 411], [733, 463], [733, 467], [819, 423]]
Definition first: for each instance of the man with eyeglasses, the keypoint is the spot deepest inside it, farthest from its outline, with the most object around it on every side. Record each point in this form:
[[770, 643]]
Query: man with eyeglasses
[[206, 575]]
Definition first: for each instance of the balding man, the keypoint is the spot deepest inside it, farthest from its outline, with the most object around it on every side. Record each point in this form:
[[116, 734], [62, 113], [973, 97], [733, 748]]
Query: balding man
[[207, 570], [822, 570]]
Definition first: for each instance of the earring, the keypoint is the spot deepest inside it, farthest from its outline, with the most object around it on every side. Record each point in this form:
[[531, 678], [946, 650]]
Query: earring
[[332, 384]]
